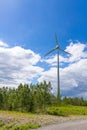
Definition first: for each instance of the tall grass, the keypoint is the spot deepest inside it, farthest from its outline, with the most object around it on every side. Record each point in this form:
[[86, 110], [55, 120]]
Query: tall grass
[[67, 110]]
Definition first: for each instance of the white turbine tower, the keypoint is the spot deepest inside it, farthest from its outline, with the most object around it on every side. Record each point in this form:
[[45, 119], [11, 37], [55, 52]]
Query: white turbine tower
[[58, 49]]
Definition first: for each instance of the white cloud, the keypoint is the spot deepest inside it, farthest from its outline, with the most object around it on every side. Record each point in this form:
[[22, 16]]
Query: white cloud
[[74, 75], [50, 75], [18, 65], [2, 44], [52, 60], [77, 51]]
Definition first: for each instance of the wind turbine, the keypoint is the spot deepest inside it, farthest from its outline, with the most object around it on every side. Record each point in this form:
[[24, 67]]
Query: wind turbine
[[58, 77]]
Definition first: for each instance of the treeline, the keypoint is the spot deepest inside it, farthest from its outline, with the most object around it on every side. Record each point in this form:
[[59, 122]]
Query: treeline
[[33, 98], [75, 101], [26, 98]]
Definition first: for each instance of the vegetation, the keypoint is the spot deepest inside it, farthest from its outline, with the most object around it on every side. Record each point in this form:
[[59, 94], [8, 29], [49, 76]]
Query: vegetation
[[18, 121], [26, 98], [1, 123], [12, 120], [38, 98], [67, 110], [11, 126]]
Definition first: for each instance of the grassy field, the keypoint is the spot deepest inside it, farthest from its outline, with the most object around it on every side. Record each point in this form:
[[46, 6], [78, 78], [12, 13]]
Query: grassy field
[[10, 120], [67, 111]]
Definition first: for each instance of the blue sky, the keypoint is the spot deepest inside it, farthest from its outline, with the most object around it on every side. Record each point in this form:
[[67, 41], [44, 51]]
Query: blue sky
[[27, 29]]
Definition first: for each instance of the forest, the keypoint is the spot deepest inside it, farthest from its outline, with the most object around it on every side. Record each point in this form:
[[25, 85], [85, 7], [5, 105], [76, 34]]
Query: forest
[[34, 98]]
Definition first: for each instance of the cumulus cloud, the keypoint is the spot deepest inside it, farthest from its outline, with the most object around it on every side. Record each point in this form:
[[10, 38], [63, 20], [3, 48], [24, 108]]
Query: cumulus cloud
[[77, 50], [73, 76], [18, 65], [2, 44], [50, 75]]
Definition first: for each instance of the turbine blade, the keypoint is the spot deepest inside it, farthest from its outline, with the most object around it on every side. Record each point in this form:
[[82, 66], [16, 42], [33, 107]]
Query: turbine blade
[[64, 51], [50, 51], [56, 40]]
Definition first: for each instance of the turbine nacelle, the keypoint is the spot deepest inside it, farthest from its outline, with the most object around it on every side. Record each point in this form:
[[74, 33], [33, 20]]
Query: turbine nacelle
[[57, 46]]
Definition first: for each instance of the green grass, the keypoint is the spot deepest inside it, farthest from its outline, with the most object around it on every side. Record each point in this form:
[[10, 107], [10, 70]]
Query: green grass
[[1, 123], [26, 127], [19, 126], [67, 110]]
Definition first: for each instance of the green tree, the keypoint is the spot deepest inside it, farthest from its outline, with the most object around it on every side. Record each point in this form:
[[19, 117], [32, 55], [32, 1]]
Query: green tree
[[1, 99]]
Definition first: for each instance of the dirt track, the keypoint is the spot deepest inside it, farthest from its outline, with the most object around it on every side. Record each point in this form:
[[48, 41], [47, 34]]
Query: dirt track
[[70, 125]]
